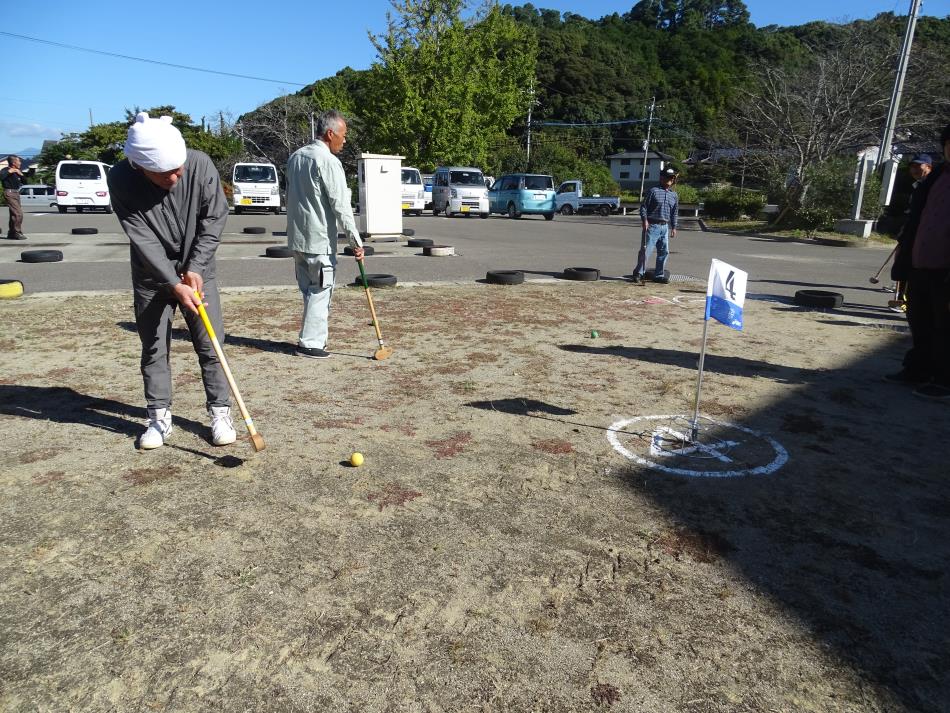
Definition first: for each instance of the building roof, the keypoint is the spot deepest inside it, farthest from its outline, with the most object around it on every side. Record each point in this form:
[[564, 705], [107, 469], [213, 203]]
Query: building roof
[[639, 154]]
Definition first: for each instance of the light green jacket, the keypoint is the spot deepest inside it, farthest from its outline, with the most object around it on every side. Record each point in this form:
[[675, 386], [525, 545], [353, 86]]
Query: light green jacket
[[318, 202]]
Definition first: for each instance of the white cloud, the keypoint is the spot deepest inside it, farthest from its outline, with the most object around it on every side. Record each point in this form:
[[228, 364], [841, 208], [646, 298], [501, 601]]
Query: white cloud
[[29, 130]]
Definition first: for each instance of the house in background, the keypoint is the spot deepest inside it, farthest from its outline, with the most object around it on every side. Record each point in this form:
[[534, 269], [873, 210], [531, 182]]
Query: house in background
[[627, 168]]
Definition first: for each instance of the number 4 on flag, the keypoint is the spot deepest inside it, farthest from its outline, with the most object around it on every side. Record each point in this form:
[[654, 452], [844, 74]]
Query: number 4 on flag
[[725, 294]]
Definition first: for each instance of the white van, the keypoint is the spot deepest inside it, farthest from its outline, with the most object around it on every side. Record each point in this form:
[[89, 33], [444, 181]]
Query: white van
[[459, 189], [38, 195], [255, 186], [81, 185], [413, 192]]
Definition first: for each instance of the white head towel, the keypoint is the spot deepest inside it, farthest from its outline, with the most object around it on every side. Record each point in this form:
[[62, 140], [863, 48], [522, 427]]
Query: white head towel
[[154, 144]]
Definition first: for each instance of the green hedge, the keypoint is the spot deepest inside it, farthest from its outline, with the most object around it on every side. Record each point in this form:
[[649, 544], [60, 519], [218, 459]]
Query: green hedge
[[730, 204]]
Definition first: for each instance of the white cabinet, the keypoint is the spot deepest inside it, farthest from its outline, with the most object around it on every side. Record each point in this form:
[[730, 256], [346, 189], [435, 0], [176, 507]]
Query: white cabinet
[[380, 187]]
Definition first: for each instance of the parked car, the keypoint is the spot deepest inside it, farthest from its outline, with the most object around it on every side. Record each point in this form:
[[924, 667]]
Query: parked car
[[81, 185], [459, 189], [570, 199], [427, 184], [38, 195], [256, 186], [520, 194], [413, 192]]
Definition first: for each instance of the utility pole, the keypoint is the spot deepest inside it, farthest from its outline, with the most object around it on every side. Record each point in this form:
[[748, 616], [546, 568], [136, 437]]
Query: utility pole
[[646, 147], [884, 156], [313, 131], [90, 118], [531, 104]]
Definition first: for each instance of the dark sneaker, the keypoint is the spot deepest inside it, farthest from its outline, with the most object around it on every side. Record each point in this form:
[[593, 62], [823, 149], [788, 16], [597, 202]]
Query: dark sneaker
[[663, 279], [934, 392], [313, 353], [905, 376], [637, 279]]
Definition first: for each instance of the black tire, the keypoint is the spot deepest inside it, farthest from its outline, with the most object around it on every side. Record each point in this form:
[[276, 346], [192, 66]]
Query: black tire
[[367, 250], [419, 242], [549, 216], [483, 216], [85, 231], [254, 230], [376, 280], [408, 232], [512, 211], [604, 210], [583, 274], [435, 211], [61, 208], [504, 277], [819, 298], [567, 209], [279, 251], [41, 256], [109, 209]]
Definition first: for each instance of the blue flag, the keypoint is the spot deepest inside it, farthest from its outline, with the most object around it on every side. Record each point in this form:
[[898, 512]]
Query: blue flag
[[725, 294]]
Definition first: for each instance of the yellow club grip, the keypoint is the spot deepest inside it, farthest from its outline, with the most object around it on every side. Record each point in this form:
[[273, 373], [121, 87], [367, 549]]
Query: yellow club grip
[[204, 318]]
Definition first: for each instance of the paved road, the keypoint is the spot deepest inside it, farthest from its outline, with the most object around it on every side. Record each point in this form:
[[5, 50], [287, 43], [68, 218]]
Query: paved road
[[540, 248]]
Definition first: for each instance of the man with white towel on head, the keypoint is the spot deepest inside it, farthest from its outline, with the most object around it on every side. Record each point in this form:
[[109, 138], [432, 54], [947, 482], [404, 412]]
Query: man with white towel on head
[[169, 201]]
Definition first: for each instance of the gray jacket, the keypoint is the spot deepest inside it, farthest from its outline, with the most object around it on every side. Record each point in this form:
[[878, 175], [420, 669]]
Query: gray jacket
[[171, 232], [318, 202]]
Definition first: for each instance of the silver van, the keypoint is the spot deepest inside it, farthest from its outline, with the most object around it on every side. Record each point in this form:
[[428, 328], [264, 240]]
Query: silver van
[[459, 189], [39, 195]]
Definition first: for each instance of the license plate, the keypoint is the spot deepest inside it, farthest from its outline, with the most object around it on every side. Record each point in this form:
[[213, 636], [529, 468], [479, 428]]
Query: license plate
[[246, 201], [465, 208], [539, 196], [406, 206], [84, 200]]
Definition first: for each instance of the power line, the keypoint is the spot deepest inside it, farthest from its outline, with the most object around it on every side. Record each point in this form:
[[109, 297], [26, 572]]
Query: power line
[[148, 61]]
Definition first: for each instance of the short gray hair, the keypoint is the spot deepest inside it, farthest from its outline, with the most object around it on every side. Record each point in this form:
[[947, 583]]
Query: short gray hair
[[328, 120]]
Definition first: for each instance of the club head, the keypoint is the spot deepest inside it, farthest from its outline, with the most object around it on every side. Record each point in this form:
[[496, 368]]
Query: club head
[[873, 280], [258, 442], [383, 353]]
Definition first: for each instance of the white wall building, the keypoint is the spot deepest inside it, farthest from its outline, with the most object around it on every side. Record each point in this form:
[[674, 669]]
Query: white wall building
[[627, 168]]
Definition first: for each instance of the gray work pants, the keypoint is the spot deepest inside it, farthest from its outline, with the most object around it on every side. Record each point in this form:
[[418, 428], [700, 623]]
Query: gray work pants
[[16, 213], [154, 310], [315, 274]]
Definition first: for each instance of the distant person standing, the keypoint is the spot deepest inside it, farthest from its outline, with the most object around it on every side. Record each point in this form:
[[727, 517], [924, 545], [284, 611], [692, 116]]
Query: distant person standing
[[170, 203], [924, 256], [12, 178], [920, 167], [658, 213], [318, 209]]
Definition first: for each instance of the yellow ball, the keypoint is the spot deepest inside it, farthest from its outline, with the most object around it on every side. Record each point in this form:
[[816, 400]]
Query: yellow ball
[[356, 459]]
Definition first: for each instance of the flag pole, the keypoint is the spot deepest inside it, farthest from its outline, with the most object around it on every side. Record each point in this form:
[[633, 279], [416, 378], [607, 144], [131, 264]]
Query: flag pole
[[694, 430]]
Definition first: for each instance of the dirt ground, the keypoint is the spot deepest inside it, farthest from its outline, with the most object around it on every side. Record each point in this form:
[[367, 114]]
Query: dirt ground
[[501, 549]]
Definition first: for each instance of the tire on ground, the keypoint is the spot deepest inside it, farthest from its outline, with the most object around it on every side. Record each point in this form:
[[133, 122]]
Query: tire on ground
[[427, 249], [278, 251], [85, 231], [439, 251], [376, 279], [367, 250], [254, 230], [819, 298], [10, 289], [408, 232], [419, 242], [584, 274], [41, 256], [504, 277]]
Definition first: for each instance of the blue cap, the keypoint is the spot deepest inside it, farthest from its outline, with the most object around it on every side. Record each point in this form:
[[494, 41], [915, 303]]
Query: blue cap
[[923, 158]]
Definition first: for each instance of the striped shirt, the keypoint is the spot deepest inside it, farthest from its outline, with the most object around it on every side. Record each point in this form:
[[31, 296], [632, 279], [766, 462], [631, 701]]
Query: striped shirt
[[661, 204]]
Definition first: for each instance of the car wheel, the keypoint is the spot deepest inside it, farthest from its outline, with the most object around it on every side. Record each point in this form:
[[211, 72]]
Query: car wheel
[[512, 211], [819, 298], [604, 210], [278, 251], [435, 211], [504, 277], [549, 216], [41, 256], [483, 215], [376, 280], [567, 209], [583, 274], [61, 208]]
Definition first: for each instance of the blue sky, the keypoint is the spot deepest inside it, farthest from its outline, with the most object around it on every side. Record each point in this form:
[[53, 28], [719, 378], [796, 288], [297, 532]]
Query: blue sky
[[54, 89]]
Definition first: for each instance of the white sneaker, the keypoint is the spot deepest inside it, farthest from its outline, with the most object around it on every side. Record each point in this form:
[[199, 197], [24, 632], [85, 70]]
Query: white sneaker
[[222, 427], [159, 428]]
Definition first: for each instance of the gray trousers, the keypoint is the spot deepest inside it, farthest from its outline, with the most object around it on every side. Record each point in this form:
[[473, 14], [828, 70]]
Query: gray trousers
[[16, 213], [154, 310], [315, 275]]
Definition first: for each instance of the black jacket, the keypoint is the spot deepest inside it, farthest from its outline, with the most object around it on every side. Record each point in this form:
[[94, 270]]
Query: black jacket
[[903, 266]]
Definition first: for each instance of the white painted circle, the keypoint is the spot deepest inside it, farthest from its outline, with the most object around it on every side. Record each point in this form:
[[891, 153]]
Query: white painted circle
[[781, 455]]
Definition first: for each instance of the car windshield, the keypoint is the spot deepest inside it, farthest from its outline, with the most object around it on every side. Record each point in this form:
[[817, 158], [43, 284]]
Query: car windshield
[[411, 177], [467, 178], [538, 183], [80, 171], [255, 174]]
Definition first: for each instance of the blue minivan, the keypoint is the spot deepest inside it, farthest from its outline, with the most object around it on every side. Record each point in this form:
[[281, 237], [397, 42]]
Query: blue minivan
[[517, 194]]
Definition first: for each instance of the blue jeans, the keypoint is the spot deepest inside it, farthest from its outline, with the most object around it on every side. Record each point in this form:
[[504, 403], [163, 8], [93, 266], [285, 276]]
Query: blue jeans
[[657, 238], [315, 280]]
